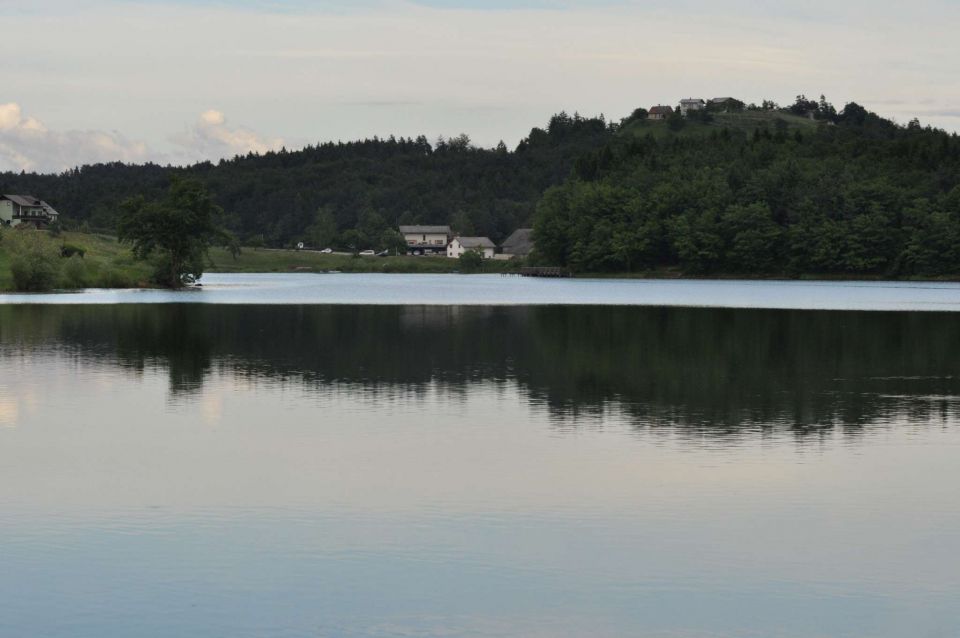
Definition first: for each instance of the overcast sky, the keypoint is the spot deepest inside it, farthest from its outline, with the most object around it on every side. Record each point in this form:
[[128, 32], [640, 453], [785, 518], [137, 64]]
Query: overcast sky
[[176, 81]]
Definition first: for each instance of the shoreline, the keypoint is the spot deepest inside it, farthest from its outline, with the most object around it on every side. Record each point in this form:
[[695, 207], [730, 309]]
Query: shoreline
[[109, 265], [646, 276]]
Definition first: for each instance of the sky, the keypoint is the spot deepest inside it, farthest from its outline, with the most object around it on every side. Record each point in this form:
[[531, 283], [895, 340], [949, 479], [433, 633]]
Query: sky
[[173, 81]]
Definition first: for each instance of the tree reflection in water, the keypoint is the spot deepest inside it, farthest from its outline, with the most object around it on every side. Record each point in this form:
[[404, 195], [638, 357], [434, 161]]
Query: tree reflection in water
[[700, 372]]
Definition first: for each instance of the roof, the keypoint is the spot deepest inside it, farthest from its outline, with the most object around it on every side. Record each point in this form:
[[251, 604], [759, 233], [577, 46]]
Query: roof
[[425, 230], [720, 100], [24, 200], [476, 242], [520, 242], [692, 100], [50, 210], [660, 110]]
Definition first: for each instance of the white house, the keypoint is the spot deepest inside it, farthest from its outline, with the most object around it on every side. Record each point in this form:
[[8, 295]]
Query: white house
[[26, 209], [426, 240], [691, 104], [460, 245]]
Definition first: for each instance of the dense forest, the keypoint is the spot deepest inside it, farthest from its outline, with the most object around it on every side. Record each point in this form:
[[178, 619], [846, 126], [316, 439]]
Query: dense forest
[[345, 194], [812, 191], [732, 189]]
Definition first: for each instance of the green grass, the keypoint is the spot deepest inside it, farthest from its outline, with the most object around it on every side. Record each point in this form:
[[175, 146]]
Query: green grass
[[263, 260], [109, 264], [105, 264]]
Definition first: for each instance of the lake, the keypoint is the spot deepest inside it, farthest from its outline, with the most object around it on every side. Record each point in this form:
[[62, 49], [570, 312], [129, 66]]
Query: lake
[[499, 290], [442, 460]]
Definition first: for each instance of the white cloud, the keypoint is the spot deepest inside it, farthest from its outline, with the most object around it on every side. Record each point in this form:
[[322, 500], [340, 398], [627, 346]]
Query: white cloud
[[27, 144], [212, 138]]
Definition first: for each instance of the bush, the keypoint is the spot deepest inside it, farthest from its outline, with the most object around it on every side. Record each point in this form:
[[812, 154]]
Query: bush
[[471, 261], [35, 262], [117, 278], [69, 250], [75, 273]]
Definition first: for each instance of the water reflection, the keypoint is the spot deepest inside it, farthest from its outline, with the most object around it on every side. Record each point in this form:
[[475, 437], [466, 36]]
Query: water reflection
[[706, 372], [253, 471]]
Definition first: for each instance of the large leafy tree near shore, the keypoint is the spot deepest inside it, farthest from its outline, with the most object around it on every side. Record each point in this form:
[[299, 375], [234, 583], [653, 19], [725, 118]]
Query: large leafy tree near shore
[[176, 231]]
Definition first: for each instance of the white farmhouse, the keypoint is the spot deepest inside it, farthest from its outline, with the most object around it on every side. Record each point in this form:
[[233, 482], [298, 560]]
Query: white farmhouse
[[426, 240], [691, 104], [460, 245], [26, 209]]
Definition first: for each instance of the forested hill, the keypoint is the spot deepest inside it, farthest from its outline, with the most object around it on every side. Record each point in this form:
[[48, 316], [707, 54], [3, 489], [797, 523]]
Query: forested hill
[[835, 193], [733, 190], [346, 193]]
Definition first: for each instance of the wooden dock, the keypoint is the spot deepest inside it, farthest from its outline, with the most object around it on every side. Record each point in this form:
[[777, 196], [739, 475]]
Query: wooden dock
[[544, 271]]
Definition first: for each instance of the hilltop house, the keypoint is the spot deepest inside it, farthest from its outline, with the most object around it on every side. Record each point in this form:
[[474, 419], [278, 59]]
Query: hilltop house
[[460, 245], [519, 244], [691, 104], [659, 112], [725, 104], [26, 209], [426, 240]]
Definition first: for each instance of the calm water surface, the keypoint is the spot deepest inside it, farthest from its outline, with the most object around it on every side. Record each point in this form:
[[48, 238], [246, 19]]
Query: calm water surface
[[486, 290], [343, 470]]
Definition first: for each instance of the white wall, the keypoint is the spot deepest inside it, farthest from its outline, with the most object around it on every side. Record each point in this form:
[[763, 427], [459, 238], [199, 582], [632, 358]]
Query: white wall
[[436, 239], [455, 249], [6, 211]]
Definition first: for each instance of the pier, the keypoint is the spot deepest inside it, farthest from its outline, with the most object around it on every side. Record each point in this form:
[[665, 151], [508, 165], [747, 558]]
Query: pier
[[545, 271]]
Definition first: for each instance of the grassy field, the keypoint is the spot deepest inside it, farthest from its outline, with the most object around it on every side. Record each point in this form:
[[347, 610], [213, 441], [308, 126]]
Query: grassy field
[[264, 260], [108, 264], [105, 264]]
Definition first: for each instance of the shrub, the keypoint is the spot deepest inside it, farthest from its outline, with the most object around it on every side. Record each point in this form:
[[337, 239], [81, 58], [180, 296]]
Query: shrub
[[471, 261], [35, 261], [117, 278], [75, 272], [69, 250]]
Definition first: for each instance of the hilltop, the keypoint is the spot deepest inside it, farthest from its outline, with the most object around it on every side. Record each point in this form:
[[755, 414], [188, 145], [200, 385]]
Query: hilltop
[[743, 122], [761, 192]]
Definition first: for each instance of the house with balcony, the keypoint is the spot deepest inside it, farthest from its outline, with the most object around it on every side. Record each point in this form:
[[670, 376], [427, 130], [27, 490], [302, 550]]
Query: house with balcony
[[26, 209], [426, 240]]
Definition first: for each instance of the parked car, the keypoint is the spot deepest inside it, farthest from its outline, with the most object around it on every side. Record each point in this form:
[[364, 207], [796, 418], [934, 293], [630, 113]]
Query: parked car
[[383, 253], [327, 251], [367, 253]]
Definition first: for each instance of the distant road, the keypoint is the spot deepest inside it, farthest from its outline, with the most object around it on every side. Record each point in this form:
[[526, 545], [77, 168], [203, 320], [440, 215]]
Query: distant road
[[294, 250]]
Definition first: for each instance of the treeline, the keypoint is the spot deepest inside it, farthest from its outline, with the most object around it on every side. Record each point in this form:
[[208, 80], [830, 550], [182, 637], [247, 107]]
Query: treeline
[[853, 194], [349, 195]]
